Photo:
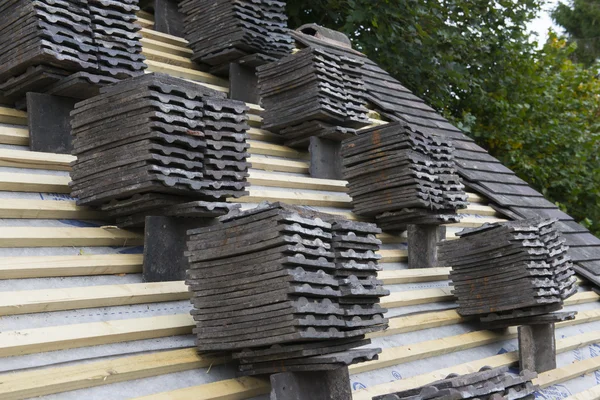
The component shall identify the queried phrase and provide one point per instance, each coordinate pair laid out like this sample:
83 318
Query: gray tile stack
285 289
157 145
313 93
250 32
43 42
509 270
402 177
487 384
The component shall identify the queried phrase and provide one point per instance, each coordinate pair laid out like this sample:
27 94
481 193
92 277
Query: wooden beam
145 23
49 300
479 210
592 393
419 322
295 197
506 359
389 238
414 297
393 256
35 160
25 236
12 116
278 164
474 222
47 381
46 209
269 149
145 15
229 389
176 50
63 266
271 179
204 78
40 340
17 182
16 135
163 37
263 135
571 371
168 58
413 275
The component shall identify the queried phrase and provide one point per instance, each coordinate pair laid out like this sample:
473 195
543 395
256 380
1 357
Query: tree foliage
581 21
472 60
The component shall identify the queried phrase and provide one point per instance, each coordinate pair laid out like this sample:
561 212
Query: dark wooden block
422 245
243 83
49 123
168 18
325 158
321 385
537 347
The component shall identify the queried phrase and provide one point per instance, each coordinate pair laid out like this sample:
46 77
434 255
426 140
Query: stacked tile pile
117 36
43 42
509 270
276 284
402 177
313 93
251 32
157 145
487 384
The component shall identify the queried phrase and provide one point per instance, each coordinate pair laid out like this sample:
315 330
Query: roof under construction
76 320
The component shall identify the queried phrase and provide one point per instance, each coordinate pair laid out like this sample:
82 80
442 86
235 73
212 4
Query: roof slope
481 172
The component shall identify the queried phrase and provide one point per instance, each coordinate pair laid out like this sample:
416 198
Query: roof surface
77 322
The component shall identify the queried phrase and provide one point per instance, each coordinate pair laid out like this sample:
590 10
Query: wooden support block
278 164
413 275
268 149
63 266
209 80
167 18
39 340
243 83
35 160
537 347
17 182
48 300
46 209
176 50
422 245
49 123
62 237
270 179
12 116
47 381
12 134
325 158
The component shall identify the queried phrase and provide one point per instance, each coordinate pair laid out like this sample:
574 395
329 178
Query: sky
541 24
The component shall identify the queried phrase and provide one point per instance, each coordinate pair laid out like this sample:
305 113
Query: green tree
472 60
581 21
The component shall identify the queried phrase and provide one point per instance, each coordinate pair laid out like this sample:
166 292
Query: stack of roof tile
487 384
313 93
142 149
510 270
43 42
251 32
402 177
115 32
278 283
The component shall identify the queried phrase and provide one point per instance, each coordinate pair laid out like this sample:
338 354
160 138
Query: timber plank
270 179
16 135
62 266
17 182
163 37
62 237
278 164
269 149
207 79
295 197
46 209
177 50
48 300
168 58
414 297
12 116
592 393
39 340
413 275
35 160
